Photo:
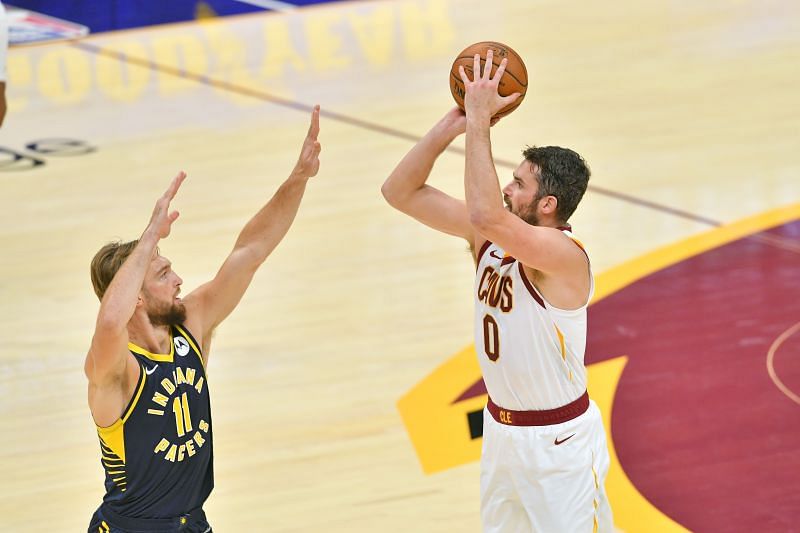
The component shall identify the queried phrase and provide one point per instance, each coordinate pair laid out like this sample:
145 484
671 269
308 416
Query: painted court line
264 96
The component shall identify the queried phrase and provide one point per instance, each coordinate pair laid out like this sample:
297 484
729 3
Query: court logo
181 346
12 160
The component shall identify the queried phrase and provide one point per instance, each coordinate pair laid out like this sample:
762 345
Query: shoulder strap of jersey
182 330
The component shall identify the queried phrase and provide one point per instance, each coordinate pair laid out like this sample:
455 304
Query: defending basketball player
544 458
148 388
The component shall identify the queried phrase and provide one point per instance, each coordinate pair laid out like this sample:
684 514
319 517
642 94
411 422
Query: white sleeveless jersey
530 352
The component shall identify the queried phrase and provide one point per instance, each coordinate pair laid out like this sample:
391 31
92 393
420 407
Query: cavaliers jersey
530 352
158 456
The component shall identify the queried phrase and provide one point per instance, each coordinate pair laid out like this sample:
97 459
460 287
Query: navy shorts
106 521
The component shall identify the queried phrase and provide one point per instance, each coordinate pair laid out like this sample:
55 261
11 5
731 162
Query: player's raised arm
528 229
106 357
210 303
406 190
536 247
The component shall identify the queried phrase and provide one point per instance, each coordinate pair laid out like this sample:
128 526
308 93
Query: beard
168 314
526 212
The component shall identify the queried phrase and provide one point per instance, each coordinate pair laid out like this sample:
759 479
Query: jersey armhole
126 413
482 250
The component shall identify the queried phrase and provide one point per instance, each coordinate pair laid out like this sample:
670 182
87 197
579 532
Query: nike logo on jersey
493 253
149 371
562 441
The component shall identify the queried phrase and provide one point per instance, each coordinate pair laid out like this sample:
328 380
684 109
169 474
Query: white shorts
530 483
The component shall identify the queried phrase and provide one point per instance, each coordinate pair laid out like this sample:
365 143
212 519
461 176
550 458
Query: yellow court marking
632 511
438 428
620 276
359 302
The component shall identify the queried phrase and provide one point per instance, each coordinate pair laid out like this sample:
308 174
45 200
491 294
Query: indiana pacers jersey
158 456
530 352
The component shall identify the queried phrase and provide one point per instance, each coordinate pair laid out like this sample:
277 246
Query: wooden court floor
687 113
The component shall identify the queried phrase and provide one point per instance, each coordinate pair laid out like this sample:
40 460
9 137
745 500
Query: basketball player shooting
148 388
544 458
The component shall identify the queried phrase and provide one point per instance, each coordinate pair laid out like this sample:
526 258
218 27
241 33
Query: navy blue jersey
158 456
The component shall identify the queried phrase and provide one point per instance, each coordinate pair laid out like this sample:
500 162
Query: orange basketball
514 80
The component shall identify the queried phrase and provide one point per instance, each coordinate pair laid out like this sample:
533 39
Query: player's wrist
479 118
299 176
447 133
150 236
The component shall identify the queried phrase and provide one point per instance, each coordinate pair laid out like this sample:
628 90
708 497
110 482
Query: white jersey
530 352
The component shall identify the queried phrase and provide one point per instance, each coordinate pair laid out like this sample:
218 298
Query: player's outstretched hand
308 162
162 219
481 94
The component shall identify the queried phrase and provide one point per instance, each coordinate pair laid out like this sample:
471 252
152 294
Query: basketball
514 80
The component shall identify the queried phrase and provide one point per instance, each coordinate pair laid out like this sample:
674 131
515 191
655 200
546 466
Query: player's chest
496 284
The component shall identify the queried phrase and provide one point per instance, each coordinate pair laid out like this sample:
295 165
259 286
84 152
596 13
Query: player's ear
548 204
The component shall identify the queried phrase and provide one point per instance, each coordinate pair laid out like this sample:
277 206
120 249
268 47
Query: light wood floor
687 113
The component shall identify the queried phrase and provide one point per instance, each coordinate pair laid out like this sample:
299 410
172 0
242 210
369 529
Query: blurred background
344 386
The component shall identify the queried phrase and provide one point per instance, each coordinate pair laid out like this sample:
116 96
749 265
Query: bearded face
160 290
525 211
166 314
522 194
528 212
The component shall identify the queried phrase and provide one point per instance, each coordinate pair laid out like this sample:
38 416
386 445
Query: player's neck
553 224
142 333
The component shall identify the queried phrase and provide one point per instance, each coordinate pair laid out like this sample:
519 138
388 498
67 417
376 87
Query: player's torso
157 457
531 354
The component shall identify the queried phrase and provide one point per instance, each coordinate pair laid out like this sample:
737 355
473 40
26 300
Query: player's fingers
500 69
476 66
175 185
313 128
510 99
487 68
463 74
311 152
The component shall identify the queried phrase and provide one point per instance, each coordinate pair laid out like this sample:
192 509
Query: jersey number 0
491 338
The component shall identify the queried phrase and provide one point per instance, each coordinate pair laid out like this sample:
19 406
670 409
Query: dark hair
107 262
563 174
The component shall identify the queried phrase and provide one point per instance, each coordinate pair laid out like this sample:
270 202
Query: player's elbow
390 194
110 322
386 191
483 220
247 257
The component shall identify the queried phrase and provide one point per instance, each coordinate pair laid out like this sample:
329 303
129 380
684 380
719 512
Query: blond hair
107 262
